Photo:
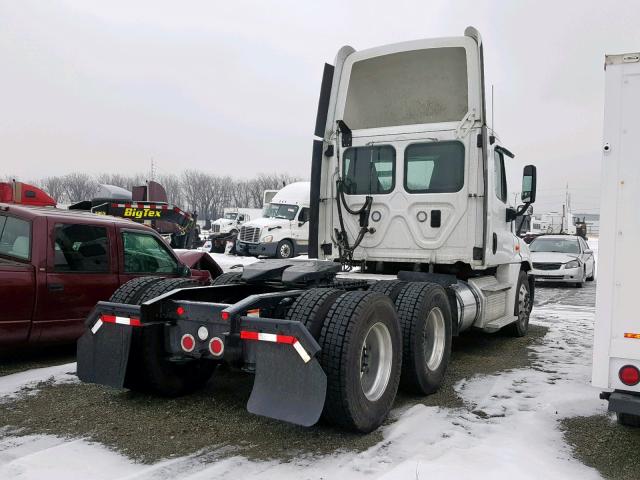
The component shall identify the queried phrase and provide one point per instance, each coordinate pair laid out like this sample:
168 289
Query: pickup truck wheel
392 288
311 308
130 291
285 249
425 319
361 355
227 278
523 307
628 419
158 373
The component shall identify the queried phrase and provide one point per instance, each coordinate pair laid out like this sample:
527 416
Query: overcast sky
232 87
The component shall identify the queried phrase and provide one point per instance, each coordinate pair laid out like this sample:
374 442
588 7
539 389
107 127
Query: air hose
345 251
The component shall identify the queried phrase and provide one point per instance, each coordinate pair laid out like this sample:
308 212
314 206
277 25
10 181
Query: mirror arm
519 213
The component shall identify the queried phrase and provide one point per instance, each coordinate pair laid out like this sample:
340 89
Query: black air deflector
323 102
314 200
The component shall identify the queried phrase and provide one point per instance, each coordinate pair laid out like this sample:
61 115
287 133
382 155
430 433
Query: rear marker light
272 337
629 375
180 310
187 342
632 335
225 315
203 333
216 347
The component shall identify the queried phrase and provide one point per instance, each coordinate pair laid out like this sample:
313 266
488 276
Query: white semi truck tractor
616 349
408 194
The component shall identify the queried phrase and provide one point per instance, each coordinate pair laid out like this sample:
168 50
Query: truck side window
80 248
304 215
367 170
145 253
15 237
499 176
434 167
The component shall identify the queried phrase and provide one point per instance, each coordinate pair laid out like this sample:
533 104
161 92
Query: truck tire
628 419
227 278
155 372
130 291
311 308
425 319
523 306
284 249
392 288
361 356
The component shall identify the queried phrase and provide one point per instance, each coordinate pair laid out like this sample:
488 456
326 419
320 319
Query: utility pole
152 174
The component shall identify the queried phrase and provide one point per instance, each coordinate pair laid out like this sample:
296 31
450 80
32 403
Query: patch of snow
12 385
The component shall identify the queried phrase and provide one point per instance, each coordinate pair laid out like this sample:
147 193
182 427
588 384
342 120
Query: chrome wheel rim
434 338
376 357
285 251
523 305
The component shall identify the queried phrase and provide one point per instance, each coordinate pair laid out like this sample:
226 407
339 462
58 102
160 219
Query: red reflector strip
247 335
132 322
632 335
283 339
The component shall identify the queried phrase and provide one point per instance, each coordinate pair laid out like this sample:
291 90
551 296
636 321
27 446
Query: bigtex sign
141 213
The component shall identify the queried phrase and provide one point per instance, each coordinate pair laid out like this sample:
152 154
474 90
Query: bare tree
55 187
79 186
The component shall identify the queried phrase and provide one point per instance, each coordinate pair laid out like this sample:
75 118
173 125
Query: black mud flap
285 387
103 352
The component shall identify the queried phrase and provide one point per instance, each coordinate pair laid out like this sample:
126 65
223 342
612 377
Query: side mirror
588 251
529 184
183 271
301 223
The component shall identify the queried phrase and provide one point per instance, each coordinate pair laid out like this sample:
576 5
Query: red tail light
188 343
180 310
225 315
629 375
216 346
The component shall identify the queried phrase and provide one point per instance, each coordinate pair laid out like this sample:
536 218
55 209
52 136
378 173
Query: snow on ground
509 431
12 385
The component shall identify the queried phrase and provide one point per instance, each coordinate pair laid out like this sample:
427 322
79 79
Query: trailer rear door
617 328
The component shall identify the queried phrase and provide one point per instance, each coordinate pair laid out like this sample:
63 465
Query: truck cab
283 231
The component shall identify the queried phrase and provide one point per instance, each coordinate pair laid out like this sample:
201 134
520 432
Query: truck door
501 242
80 272
17 277
300 230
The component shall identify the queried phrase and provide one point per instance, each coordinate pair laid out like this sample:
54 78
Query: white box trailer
616 351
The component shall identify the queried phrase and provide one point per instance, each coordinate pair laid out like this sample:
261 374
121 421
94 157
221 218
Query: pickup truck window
144 253
15 237
80 248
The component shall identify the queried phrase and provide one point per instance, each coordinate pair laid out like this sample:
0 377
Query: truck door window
304 215
500 177
434 167
369 170
80 248
144 253
15 238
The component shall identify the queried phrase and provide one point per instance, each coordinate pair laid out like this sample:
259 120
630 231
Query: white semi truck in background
283 231
616 349
408 184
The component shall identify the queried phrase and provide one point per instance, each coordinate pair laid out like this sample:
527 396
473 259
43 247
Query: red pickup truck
56 264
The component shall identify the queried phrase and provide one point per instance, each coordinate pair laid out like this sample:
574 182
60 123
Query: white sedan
562 258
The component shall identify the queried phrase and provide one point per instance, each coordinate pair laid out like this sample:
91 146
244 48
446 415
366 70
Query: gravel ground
214 422
601 443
